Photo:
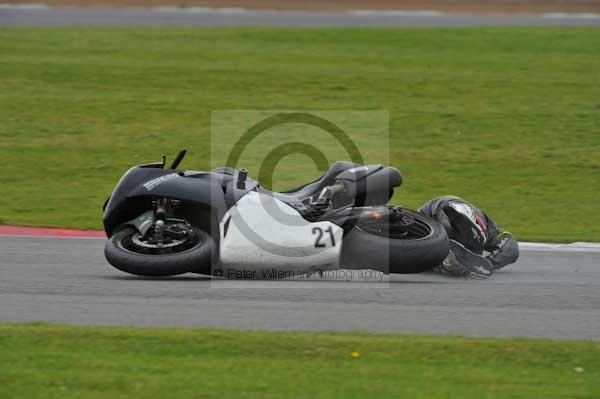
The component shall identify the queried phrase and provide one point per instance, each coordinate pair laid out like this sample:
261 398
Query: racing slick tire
388 249
196 259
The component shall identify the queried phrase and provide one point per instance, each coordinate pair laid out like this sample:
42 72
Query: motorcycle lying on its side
166 221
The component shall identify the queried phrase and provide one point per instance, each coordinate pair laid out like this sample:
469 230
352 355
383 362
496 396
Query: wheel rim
177 238
400 226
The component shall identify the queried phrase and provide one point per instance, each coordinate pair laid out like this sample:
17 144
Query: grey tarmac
548 293
169 16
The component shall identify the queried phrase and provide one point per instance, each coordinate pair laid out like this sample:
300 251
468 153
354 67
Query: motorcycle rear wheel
394 240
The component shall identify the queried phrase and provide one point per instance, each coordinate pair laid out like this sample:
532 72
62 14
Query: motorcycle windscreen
262 232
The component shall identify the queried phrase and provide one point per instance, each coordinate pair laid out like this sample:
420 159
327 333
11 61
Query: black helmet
465 226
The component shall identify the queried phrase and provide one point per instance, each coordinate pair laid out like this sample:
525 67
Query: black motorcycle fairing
140 185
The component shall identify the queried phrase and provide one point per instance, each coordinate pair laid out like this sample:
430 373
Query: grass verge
508 118
49 361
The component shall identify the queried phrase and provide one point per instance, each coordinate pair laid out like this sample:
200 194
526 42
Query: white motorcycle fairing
261 232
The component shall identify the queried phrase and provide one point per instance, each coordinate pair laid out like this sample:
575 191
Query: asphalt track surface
552 294
40 16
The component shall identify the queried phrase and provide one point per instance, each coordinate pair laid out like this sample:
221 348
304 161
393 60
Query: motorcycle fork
164 209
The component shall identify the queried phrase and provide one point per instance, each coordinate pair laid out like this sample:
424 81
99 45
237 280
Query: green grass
508 118
49 361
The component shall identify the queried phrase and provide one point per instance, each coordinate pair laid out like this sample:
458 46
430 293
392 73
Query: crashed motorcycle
164 221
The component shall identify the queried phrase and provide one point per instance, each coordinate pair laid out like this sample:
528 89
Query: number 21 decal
319 241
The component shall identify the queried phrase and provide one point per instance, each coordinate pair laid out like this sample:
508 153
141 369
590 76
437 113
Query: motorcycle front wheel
394 240
129 251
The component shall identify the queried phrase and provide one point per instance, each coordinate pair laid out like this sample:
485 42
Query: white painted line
201 10
567 15
28 7
572 247
397 13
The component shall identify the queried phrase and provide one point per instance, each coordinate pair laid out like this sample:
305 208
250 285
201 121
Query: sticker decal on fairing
159 180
